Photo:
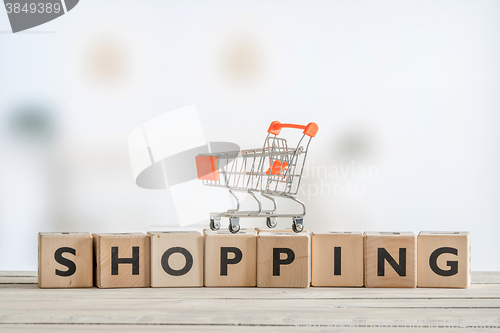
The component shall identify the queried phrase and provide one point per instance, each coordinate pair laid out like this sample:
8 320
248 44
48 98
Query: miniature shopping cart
275 170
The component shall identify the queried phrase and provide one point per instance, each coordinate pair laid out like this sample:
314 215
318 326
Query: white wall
408 88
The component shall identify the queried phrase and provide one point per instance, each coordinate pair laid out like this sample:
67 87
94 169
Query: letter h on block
390 259
122 260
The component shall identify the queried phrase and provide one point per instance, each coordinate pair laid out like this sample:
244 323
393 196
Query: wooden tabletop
26 308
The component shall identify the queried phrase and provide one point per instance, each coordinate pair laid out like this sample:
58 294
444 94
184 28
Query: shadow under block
444 259
230 259
337 259
122 260
64 260
283 259
176 259
390 260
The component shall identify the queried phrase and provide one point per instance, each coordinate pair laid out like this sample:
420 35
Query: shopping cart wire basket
275 170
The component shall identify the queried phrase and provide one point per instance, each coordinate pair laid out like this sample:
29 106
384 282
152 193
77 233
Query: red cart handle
310 129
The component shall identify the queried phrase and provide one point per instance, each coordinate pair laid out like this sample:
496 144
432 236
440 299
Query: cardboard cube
390 259
337 259
444 259
230 259
283 259
122 260
176 259
64 260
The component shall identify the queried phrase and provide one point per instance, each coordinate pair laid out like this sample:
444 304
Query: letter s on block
64 261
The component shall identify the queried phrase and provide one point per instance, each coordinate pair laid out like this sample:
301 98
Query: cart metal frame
245 171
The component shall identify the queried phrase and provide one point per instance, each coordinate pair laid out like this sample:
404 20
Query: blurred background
406 96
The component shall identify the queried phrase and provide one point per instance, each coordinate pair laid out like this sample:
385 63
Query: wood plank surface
26 308
207 328
18 277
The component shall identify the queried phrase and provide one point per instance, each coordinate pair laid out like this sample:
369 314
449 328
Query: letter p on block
283 259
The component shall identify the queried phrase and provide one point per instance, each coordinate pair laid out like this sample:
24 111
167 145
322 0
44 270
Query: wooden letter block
444 259
337 259
259 230
64 260
122 260
176 259
230 259
390 259
283 259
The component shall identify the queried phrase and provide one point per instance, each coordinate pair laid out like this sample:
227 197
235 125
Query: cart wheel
234 224
234 228
271 222
214 225
297 225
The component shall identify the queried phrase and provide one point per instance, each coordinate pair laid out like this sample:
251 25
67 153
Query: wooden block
444 259
283 259
176 259
64 260
122 260
259 230
230 259
337 259
390 259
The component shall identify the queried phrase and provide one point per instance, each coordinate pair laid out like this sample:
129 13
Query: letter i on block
176 259
337 259
122 260
230 259
390 260
64 260
283 259
444 259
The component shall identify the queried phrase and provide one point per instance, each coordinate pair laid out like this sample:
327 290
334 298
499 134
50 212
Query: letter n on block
444 259
64 260
122 260
230 259
390 260
283 259
176 259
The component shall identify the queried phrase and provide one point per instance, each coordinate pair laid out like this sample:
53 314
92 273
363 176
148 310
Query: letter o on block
176 259
177 272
